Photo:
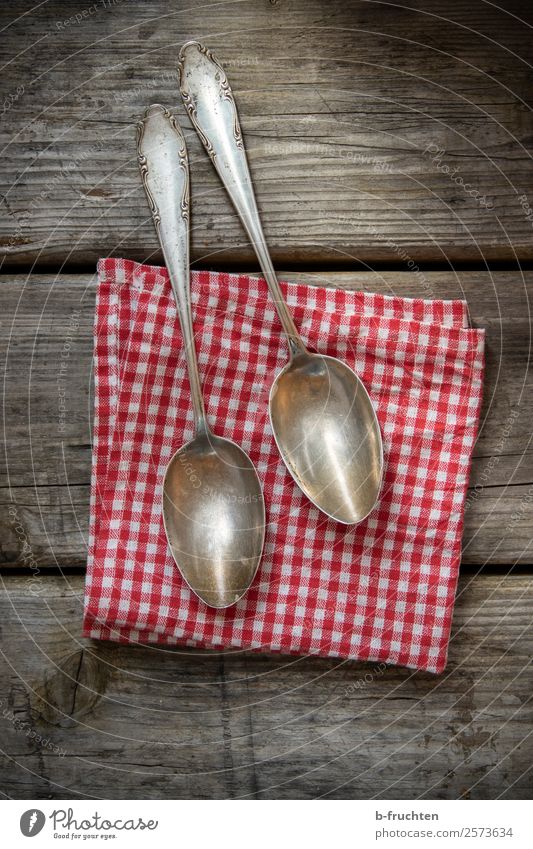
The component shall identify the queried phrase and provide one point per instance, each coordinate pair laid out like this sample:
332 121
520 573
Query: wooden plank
375 132
206 725
45 471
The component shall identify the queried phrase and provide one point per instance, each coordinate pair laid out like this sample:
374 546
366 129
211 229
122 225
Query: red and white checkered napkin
382 590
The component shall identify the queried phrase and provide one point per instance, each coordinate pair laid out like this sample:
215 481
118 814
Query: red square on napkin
382 590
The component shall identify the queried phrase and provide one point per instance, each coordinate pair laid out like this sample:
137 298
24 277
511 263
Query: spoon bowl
327 432
214 518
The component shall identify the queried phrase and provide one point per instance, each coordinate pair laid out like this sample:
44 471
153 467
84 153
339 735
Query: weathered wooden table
391 150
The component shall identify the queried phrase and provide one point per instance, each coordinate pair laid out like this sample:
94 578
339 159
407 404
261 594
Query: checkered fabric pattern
382 590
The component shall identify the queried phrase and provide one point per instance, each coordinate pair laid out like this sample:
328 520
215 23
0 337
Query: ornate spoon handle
211 107
164 168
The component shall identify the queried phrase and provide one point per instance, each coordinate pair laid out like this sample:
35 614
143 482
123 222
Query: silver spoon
213 507
324 423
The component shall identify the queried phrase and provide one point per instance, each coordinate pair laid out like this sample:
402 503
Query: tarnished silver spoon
324 423
213 507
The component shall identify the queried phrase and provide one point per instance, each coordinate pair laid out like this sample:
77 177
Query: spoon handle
164 165
211 107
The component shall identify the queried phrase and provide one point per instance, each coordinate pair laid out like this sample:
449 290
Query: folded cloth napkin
382 590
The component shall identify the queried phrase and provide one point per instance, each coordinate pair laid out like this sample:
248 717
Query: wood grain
178 724
45 471
344 106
